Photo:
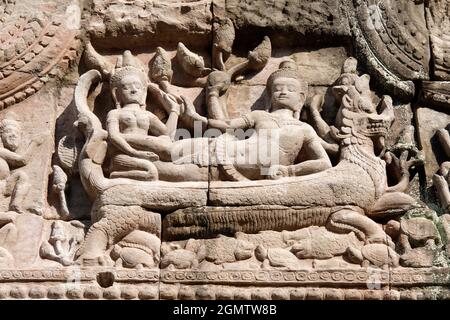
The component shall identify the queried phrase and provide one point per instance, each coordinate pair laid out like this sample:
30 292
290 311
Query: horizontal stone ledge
79 274
406 277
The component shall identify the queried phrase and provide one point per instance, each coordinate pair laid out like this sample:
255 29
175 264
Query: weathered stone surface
215 149
134 23
309 19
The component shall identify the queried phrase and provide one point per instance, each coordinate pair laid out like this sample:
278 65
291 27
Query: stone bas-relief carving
193 160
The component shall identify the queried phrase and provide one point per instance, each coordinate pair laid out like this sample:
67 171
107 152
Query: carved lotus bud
259 57
224 34
191 63
161 66
94 60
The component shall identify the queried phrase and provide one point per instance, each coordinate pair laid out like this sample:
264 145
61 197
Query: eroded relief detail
207 150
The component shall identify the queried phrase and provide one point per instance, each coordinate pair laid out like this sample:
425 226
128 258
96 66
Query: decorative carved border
225 292
32 51
434 276
393 46
407 283
81 274
405 276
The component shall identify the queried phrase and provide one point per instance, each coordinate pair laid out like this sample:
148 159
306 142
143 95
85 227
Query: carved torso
286 135
134 121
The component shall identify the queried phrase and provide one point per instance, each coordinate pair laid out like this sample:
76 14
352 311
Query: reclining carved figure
343 198
304 193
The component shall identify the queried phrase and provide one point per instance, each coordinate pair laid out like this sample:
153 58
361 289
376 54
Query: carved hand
172 105
278 171
189 110
386 103
387 100
218 82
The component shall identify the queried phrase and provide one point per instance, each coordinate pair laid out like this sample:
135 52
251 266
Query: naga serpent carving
114 220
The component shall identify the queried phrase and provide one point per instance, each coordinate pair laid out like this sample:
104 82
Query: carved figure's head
350 65
128 81
10 132
286 88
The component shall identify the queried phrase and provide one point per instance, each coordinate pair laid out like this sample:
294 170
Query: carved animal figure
276 257
138 249
375 253
182 258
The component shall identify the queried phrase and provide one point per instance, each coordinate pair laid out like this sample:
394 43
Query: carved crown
125 65
287 69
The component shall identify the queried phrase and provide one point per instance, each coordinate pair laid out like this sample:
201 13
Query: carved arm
244 122
173 106
319 160
215 110
321 127
14 159
218 84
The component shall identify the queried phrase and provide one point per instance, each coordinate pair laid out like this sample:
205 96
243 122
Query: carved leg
133 168
160 145
366 229
21 187
117 222
7 217
168 171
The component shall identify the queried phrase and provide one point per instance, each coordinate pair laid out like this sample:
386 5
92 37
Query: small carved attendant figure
15 182
348 77
297 145
130 122
442 179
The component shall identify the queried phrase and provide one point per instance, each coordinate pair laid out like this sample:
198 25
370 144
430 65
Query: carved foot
92 261
15 207
7 217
